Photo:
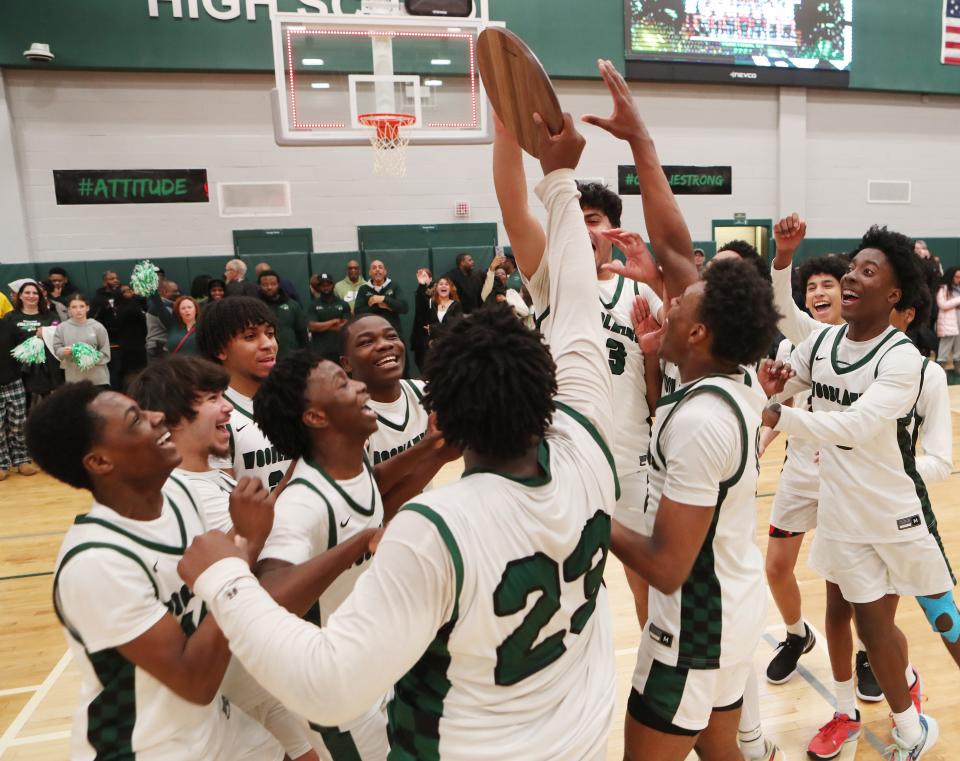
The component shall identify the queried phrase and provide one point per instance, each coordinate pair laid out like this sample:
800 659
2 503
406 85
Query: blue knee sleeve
934 607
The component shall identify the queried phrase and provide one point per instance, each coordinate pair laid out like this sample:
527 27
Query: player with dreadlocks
531 515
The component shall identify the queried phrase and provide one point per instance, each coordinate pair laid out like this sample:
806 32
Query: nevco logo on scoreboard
743 75
228 10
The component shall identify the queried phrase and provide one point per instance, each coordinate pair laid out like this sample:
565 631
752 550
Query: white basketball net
389 145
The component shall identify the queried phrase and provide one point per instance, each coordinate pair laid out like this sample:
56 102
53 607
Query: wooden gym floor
38 684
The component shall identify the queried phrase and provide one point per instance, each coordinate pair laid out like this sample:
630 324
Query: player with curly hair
707 597
874 543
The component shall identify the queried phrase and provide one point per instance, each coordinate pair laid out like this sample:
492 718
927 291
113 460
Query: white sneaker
771 752
900 751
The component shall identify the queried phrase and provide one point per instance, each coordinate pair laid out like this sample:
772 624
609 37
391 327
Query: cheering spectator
381 296
13 404
216 290
347 288
495 283
420 333
442 306
325 317
468 283
291 325
181 338
58 285
948 326
234 273
285 283
81 328
131 336
514 281
32 314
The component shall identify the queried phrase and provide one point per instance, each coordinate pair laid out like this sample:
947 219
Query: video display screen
799 34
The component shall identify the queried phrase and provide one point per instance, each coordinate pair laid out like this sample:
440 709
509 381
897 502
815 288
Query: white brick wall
222 122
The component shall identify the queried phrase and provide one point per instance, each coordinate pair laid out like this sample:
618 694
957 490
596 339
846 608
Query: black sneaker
868 688
783 665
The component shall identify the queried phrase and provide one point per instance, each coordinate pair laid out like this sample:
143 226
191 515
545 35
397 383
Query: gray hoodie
89 332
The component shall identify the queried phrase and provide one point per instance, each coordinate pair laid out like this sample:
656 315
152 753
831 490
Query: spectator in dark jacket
58 285
291 324
234 273
285 283
103 309
468 282
381 296
130 328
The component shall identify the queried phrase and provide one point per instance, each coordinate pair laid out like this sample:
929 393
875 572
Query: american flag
950 50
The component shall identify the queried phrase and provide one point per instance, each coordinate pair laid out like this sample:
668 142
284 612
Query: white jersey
703 452
314 514
617 297
484 604
800 474
670 377
213 489
625 363
864 394
252 454
115 579
932 423
400 424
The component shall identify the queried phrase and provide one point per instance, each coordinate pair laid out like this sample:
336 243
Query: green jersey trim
339 745
331 519
112 714
864 359
415 712
616 294
538 321
346 497
543 461
406 413
72 553
167 549
701 601
415 388
186 491
595 435
237 407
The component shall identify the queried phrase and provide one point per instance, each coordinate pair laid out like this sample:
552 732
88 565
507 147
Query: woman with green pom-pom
75 338
32 315
13 404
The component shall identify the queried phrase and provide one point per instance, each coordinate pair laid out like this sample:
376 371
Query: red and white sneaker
916 692
833 735
899 751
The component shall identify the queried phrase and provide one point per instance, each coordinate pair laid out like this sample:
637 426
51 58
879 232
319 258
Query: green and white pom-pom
30 352
144 280
84 355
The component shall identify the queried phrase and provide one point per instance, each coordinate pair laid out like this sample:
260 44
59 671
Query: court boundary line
26 575
11 732
19 690
63 734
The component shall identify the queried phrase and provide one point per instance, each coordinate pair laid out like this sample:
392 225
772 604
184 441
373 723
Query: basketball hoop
389 143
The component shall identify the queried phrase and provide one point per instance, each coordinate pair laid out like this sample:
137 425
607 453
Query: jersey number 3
517 657
618 356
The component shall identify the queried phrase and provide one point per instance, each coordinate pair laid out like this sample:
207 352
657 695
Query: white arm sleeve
487 285
795 323
703 446
889 397
936 432
107 598
332 675
573 330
